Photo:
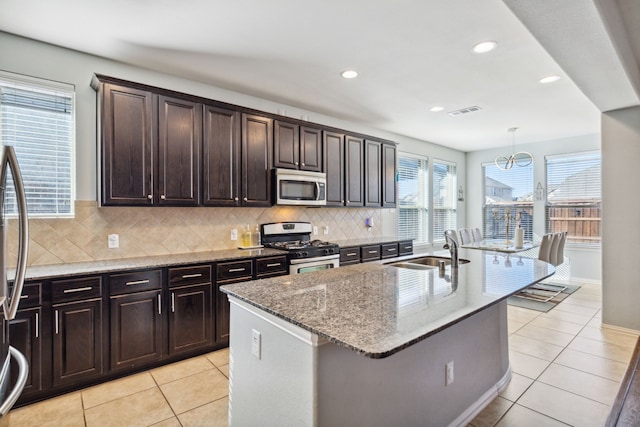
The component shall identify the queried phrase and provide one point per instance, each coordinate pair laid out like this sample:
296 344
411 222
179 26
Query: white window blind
412 198
505 190
37 119
444 198
574 197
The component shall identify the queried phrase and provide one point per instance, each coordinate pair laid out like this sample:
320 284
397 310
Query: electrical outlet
234 234
449 373
113 241
325 230
256 343
315 230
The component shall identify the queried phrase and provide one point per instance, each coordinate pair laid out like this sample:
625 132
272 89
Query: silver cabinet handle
235 270
173 302
150 196
159 305
137 282
56 320
37 325
352 254
69 291
275 264
407 247
391 249
373 252
191 276
24 296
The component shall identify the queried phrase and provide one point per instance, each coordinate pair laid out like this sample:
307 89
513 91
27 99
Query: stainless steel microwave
302 188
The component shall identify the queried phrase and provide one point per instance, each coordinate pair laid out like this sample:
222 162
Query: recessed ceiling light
436 109
349 74
549 79
485 47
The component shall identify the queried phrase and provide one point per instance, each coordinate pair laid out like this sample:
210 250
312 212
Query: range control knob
305 254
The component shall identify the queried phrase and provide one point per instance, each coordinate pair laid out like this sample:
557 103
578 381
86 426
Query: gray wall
621 218
585 263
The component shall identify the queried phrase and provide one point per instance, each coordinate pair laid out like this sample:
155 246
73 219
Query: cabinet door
286 145
223 312
25 335
372 172
127 155
389 175
354 171
310 149
179 142
221 166
257 140
190 319
77 341
334 167
136 329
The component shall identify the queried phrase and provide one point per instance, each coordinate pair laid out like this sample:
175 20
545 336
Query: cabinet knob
163 197
303 164
296 163
150 197
245 199
236 199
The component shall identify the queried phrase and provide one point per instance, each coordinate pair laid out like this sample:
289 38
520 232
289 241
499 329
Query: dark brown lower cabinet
77 341
136 329
25 333
190 320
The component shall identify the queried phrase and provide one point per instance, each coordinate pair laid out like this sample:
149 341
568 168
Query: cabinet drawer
272 266
127 283
193 274
31 295
369 253
349 256
235 270
405 247
389 250
76 289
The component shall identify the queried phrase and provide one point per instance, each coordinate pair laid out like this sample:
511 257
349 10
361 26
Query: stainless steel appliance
294 187
11 358
305 255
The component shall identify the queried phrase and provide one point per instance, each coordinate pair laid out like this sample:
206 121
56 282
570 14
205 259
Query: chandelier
521 158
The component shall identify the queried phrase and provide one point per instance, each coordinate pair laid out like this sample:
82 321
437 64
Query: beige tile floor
566 371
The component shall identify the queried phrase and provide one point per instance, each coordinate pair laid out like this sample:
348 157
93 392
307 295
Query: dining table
500 245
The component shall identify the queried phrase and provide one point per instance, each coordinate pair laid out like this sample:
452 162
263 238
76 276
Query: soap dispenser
257 240
246 236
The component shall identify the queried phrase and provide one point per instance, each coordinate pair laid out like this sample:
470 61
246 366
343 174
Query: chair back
477 234
544 253
465 236
558 248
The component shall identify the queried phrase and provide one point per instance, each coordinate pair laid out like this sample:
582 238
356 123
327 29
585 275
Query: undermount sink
425 262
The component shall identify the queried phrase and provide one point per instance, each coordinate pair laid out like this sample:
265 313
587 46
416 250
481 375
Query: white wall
585 263
620 218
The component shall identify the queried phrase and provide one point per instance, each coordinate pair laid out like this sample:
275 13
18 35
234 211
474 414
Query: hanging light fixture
521 158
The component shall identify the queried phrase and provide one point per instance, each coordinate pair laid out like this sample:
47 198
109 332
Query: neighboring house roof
580 187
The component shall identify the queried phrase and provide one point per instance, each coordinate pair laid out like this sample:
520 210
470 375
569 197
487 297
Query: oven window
297 190
315 268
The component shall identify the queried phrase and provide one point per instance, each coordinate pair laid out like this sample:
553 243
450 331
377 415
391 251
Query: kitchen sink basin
425 262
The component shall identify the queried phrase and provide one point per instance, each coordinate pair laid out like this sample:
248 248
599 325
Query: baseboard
470 413
620 329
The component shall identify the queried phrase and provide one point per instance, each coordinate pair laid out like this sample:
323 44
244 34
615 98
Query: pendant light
521 158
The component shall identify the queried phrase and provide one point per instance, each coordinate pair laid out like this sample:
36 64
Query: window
444 198
573 196
37 119
412 198
507 191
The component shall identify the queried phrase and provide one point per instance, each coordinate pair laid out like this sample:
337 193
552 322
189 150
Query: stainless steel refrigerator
11 359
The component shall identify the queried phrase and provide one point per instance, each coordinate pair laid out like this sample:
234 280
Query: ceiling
411 55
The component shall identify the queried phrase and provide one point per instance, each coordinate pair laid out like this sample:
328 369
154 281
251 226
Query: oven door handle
314 259
23 373
317 190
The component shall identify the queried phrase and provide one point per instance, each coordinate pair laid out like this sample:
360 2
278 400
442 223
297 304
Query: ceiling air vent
462 111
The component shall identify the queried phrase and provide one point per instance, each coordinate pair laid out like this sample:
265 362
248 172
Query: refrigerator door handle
23 373
10 159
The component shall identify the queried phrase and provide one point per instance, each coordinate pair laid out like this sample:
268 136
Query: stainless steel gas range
305 255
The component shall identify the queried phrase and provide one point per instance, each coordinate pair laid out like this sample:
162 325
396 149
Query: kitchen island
369 344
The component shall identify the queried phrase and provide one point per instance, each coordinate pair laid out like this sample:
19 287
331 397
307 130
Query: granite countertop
378 310
40 272
368 241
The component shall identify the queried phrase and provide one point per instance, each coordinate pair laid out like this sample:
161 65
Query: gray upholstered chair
544 252
477 234
557 250
465 236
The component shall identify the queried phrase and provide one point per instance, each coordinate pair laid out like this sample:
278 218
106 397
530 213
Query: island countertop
378 310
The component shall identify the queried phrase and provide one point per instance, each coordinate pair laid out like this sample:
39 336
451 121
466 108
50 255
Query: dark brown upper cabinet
257 142
179 146
221 155
389 168
297 147
334 167
354 171
126 118
372 172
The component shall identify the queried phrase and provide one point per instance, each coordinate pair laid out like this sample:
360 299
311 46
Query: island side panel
408 388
